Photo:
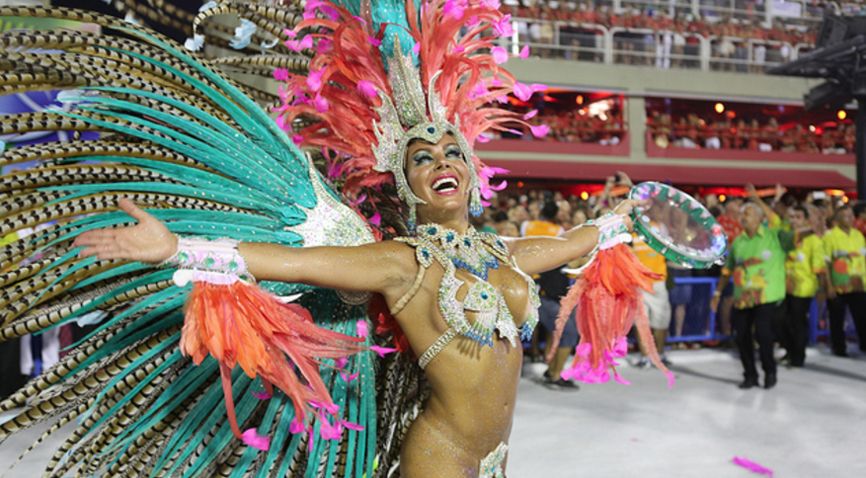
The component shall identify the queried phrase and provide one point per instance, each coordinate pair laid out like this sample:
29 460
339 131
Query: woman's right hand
149 241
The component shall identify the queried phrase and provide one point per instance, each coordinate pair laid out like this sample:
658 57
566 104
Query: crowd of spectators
511 212
736 44
692 131
577 125
641 16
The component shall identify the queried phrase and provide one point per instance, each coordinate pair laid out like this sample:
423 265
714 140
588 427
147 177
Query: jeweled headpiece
387 72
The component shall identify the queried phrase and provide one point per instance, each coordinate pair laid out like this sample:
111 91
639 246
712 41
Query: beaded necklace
466 251
477 253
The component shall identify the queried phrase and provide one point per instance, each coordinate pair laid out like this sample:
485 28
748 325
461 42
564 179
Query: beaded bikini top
475 252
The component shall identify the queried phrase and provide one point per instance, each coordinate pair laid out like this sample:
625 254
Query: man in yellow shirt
554 286
803 266
845 249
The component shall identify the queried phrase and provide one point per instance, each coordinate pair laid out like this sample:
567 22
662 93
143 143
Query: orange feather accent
240 324
608 301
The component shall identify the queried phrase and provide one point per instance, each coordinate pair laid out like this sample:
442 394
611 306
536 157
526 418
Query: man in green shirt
803 266
845 247
756 260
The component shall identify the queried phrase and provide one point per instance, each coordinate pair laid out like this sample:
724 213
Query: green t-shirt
757 265
802 265
845 254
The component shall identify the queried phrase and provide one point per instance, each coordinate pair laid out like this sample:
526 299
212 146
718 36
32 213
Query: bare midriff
473 387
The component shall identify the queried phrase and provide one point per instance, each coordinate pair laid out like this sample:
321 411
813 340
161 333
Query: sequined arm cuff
611 230
216 261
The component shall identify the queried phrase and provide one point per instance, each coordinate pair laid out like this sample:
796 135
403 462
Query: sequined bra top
474 252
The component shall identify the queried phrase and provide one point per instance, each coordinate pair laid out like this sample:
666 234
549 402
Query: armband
215 261
611 230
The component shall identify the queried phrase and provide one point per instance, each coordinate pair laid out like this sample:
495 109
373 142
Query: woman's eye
454 152
422 158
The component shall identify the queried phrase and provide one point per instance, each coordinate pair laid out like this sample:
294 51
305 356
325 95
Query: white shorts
657 306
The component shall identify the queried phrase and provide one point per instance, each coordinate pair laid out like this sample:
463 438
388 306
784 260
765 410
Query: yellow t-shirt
802 266
845 253
650 258
542 228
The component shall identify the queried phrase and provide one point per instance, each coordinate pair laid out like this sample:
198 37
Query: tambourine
678 227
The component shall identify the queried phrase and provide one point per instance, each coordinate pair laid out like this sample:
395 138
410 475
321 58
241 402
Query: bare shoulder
397 256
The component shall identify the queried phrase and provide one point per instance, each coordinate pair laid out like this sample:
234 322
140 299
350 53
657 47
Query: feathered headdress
399 71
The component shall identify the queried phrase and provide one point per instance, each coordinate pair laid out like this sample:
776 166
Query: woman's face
438 175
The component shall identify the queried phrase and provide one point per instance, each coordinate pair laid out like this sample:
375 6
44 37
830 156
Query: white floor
810 425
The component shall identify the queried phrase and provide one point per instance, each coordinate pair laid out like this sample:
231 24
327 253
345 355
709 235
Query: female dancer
459 295
473 386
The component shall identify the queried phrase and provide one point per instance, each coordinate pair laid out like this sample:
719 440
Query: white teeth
445 184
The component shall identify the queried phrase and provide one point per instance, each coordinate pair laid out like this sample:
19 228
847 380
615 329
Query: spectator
845 247
859 223
756 260
656 304
554 286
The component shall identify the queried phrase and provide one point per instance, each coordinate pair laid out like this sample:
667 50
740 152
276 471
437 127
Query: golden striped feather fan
193 148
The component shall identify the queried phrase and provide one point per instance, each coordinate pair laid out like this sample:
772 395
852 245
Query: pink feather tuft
253 439
752 466
382 350
362 328
500 56
262 395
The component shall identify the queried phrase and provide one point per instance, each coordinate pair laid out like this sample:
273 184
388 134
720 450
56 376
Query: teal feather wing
190 147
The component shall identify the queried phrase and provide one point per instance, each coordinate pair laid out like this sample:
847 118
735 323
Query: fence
639 46
700 323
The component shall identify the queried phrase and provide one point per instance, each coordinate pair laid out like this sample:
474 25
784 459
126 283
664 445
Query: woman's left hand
625 209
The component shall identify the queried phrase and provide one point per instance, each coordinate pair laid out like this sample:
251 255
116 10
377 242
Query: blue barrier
699 323
698 311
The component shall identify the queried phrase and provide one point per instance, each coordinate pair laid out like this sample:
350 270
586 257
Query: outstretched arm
381 267
768 212
539 254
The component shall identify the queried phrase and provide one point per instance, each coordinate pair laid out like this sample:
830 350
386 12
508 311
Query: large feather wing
189 146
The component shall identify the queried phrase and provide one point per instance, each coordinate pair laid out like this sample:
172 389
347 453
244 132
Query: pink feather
253 439
752 466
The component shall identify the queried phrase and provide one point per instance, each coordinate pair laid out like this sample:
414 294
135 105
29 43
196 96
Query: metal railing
647 47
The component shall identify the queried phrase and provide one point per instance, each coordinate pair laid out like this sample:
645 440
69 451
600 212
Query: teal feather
119 343
250 453
117 271
249 105
144 304
213 414
157 188
187 383
281 434
127 396
247 172
149 279
72 270
244 407
203 153
232 144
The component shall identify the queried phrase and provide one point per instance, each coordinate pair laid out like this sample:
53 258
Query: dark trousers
761 319
856 303
792 329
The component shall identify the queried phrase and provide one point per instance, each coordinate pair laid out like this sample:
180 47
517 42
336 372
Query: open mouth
445 185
